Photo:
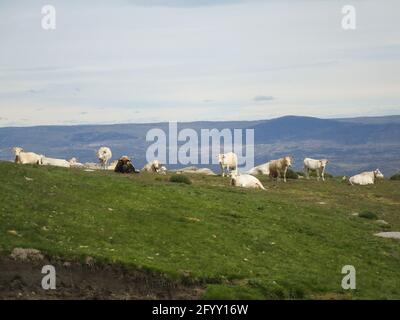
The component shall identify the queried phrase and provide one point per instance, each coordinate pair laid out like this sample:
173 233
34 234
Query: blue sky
159 60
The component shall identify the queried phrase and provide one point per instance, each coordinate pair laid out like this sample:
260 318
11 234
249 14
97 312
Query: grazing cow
104 155
153 166
278 168
245 181
365 178
25 157
125 165
261 169
317 165
228 161
44 161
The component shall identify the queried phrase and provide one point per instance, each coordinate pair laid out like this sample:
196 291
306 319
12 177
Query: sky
137 61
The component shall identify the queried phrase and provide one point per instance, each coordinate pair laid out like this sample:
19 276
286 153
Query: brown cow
278 168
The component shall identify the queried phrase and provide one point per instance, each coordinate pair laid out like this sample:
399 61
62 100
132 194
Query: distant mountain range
352 145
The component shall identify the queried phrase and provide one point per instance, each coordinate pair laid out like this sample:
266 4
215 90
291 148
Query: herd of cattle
228 162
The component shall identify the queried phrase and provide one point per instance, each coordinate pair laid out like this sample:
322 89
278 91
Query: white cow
245 181
228 161
317 165
44 161
261 169
104 155
75 164
163 170
112 166
153 166
365 178
26 157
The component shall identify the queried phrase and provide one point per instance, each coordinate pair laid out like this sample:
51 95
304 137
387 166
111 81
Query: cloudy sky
159 60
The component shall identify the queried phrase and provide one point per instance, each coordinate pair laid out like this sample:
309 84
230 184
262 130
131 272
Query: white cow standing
228 161
246 181
26 157
104 155
366 178
316 165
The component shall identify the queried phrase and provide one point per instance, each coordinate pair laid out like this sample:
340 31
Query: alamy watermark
49 280
349 280
48 17
190 147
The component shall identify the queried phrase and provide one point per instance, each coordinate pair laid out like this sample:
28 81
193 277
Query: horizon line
196 121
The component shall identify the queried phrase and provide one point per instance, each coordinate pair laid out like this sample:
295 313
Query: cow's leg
323 174
222 171
307 172
317 174
284 174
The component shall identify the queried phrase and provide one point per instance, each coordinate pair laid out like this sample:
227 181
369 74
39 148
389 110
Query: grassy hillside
288 242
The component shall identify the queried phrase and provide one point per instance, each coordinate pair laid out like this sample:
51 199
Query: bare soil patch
21 279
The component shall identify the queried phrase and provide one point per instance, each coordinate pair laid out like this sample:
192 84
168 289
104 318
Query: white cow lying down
25 157
261 169
365 178
245 181
74 163
44 161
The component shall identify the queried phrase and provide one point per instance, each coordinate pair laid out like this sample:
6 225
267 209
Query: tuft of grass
290 174
368 215
180 178
395 177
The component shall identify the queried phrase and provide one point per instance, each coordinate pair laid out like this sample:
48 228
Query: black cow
125 165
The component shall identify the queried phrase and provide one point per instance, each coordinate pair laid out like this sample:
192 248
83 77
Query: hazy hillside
373 120
352 144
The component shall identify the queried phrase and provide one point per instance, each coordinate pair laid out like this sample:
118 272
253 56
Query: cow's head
157 165
378 174
288 160
17 151
323 162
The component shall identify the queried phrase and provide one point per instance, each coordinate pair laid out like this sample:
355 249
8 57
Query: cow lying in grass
366 178
44 161
26 157
153 166
125 165
245 181
261 169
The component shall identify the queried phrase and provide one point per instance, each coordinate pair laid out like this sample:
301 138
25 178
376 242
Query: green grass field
289 242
